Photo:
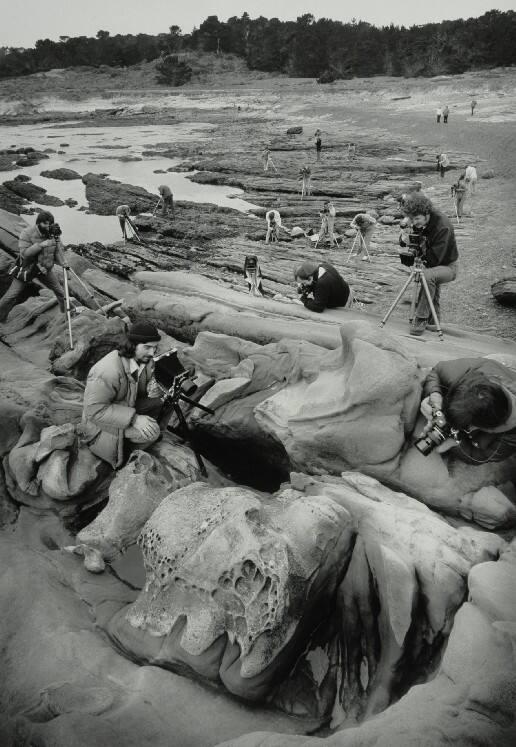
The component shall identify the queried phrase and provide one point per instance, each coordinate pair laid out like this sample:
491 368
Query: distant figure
166 200
470 176
318 147
123 212
352 151
273 219
442 163
446 112
473 106
327 215
253 275
267 160
365 224
459 193
439 113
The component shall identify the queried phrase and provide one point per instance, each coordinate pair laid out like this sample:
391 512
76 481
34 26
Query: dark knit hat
44 217
143 332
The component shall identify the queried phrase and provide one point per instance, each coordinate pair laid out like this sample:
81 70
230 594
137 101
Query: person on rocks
321 286
267 159
439 114
121 404
478 398
123 212
442 164
352 151
446 113
318 147
440 254
471 176
273 219
459 193
327 228
473 106
365 224
166 200
39 250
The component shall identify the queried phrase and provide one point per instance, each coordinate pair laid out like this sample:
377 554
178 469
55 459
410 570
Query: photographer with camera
364 224
273 220
327 215
432 240
122 405
40 249
470 406
321 287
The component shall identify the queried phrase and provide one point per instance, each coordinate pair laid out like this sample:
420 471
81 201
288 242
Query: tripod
67 269
360 241
136 235
420 286
173 396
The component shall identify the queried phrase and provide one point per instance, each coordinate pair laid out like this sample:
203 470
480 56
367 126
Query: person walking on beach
267 160
473 106
442 164
459 193
439 113
318 147
446 112
470 176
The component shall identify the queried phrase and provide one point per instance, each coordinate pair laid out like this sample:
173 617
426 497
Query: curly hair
476 401
127 348
417 204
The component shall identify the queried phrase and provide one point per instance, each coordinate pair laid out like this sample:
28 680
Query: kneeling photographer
40 249
470 406
321 286
432 238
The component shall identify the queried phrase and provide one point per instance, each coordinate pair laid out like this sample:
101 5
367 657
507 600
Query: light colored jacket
109 405
32 252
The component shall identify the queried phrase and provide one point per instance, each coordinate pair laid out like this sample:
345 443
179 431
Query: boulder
105 195
295 130
234 584
62 174
504 291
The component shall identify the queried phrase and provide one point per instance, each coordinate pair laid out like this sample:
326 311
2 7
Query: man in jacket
365 225
440 254
39 252
478 398
121 406
166 200
321 287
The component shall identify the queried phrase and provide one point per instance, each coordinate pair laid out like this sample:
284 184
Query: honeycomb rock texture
237 578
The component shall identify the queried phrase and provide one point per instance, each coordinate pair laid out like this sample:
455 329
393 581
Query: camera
416 248
439 432
54 231
170 373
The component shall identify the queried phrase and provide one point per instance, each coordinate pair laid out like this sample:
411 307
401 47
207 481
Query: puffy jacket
440 241
109 405
329 291
32 253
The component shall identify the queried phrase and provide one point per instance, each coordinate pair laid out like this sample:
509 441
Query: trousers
16 292
435 277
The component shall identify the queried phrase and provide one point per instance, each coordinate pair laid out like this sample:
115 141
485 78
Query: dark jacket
441 247
329 291
492 447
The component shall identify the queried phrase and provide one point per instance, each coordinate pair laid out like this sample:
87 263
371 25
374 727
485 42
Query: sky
25 21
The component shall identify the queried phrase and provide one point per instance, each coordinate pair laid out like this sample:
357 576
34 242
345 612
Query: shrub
327 77
173 72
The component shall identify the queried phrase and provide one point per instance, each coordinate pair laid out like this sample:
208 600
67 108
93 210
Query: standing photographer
327 215
40 249
477 397
321 287
439 254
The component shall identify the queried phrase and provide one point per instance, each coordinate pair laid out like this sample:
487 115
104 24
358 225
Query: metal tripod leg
432 307
398 298
68 308
88 291
361 241
188 437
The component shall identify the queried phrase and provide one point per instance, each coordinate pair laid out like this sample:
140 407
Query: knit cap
143 332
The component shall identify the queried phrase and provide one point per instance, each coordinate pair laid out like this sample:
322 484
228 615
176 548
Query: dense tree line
303 48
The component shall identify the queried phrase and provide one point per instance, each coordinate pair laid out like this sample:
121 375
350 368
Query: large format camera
416 248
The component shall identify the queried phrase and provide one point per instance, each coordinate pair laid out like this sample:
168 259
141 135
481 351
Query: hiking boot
418 326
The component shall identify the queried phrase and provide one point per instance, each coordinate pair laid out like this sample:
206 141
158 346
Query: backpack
22 271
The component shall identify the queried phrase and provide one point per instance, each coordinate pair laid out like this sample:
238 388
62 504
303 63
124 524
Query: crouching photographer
470 407
40 248
320 286
431 235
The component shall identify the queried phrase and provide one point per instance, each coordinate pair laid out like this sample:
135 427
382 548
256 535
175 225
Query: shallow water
97 151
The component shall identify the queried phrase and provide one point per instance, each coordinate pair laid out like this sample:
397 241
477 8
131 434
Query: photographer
459 193
327 215
273 219
121 406
365 225
438 250
123 213
321 287
40 249
478 399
